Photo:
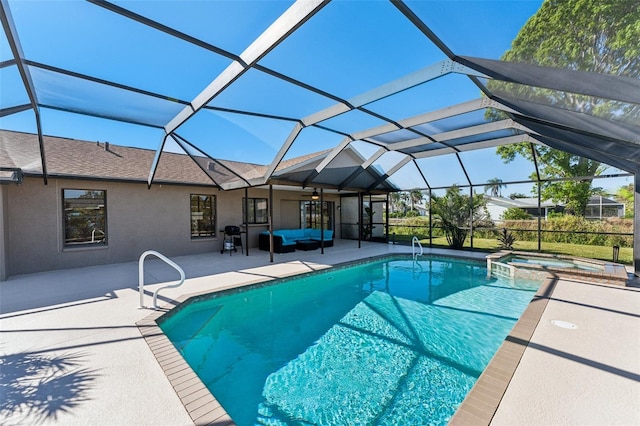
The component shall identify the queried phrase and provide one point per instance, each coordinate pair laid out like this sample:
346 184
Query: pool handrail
169 262
415 241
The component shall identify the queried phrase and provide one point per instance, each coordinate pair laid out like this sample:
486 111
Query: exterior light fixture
315 195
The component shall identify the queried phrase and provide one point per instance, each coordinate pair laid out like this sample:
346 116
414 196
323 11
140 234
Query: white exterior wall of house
138 219
495 211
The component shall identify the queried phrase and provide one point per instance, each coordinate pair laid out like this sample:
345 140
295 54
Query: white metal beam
462 108
288 22
391 171
18 54
491 143
459 133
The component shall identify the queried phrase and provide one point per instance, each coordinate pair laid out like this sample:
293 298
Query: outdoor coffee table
307 245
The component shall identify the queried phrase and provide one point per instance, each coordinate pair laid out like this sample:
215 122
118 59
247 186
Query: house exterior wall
495 211
289 217
138 219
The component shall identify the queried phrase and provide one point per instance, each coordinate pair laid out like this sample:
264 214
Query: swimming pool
390 341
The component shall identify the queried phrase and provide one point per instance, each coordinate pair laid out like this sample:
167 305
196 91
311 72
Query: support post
636 225
539 220
246 221
386 221
4 233
359 220
271 223
321 221
430 221
471 217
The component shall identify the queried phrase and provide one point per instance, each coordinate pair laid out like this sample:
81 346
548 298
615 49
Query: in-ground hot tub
537 265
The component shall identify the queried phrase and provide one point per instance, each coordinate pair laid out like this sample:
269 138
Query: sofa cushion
290 236
327 234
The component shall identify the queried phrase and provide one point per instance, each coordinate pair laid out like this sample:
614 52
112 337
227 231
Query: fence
596 244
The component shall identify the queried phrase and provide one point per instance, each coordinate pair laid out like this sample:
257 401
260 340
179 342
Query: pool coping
478 407
611 273
482 401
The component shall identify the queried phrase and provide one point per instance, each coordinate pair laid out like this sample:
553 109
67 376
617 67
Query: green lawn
579 250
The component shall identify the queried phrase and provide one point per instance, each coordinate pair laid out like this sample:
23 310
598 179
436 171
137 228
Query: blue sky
346 49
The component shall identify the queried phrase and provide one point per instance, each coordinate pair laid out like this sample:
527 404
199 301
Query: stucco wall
138 219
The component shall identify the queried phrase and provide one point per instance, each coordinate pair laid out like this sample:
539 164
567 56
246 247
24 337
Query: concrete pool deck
71 353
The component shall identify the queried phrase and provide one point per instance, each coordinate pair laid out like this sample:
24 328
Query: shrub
506 239
515 213
454 214
575 230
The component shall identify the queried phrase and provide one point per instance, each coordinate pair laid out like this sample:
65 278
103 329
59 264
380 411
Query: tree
415 196
494 185
515 213
394 200
624 194
586 35
455 212
404 200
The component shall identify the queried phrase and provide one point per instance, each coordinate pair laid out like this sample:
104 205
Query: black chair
232 239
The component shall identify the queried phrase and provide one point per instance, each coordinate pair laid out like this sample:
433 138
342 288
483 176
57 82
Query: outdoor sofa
284 240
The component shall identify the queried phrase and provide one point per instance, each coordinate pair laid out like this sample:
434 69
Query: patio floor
71 353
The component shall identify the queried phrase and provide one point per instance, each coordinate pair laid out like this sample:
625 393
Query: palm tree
494 185
415 196
404 198
394 200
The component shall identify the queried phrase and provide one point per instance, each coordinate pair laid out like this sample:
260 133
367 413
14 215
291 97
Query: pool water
391 341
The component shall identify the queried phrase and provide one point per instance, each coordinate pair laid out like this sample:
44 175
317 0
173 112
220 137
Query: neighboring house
496 206
96 207
421 209
600 207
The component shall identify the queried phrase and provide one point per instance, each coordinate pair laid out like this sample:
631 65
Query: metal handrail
141 275
415 241
93 234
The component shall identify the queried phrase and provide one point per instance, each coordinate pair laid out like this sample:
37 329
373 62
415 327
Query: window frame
311 218
247 202
104 242
194 233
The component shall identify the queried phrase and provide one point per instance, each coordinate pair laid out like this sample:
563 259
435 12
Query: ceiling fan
315 195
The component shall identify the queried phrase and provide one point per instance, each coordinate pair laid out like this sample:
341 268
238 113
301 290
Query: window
310 214
258 210
203 215
85 217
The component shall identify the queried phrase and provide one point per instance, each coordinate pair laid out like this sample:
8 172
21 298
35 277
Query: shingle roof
83 159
